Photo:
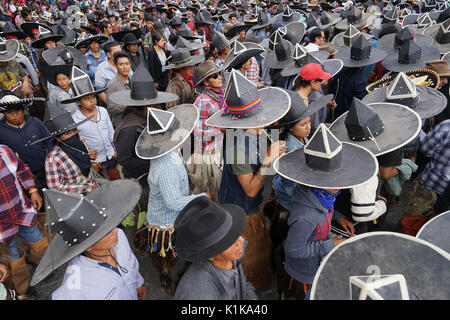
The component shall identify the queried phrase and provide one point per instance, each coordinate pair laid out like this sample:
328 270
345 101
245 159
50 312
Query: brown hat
204 70
440 67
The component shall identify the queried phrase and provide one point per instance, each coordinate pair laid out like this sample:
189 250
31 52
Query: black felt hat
441 35
360 54
206 229
281 55
99 38
81 85
435 231
395 41
426 101
248 107
263 21
182 58
293 32
69 34
219 40
62 55
346 38
386 265
236 28
325 162
79 222
288 16
175 21
353 16
186 32
9 29
119 36
130 38
240 53
45 34
410 56
142 92
184 43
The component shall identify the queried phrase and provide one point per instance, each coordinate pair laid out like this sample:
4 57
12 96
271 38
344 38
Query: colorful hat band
239 111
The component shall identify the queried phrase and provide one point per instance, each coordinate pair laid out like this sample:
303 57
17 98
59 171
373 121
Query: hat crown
283 50
182 43
403 36
159 121
443 34
142 84
299 52
391 15
72 216
204 68
80 82
65 56
360 48
350 34
362 121
325 18
219 40
410 52
241 95
354 15
323 150
381 287
424 20
287 13
403 91
44 32
275 38
181 55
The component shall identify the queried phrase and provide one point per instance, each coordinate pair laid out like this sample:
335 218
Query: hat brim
420 77
296 17
152 146
191 62
39 44
410 19
74 99
18 34
295 32
116 198
20 103
343 24
432 31
358 165
97 38
431 101
338 39
272 61
387 42
401 125
123 98
235 30
331 66
435 231
118 36
50 57
375 56
252 50
423 265
194 254
428 54
207 75
12 48
275 103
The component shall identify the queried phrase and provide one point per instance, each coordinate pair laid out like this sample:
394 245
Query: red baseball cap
313 71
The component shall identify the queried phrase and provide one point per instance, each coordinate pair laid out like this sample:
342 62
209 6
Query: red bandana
187 78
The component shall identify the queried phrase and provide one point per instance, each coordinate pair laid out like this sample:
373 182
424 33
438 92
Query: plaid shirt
15 208
206 138
252 73
64 175
436 145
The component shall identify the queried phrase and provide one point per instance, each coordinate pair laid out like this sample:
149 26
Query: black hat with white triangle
280 56
81 85
327 163
394 41
240 52
360 53
362 122
441 35
142 92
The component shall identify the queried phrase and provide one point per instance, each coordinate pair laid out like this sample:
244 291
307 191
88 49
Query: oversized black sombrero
426 101
184 43
385 265
142 91
288 16
248 107
441 35
345 38
9 101
236 28
44 34
240 53
166 130
69 34
378 127
99 38
281 55
293 32
8 49
9 29
63 55
420 77
79 222
395 41
118 36
360 54
325 162
435 231
355 17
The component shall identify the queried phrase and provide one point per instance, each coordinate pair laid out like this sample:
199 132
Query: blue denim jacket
283 187
92 63
230 190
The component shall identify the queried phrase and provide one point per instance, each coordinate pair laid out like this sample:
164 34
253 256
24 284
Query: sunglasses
214 76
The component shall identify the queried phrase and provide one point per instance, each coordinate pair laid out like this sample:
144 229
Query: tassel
156 242
162 252
147 245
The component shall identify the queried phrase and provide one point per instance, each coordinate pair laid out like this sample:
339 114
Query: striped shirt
206 138
169 189
252 73
64 175
15 208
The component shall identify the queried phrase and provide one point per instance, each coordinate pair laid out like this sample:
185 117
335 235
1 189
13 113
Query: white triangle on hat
368 286
158 120
299 52
328 142
401 88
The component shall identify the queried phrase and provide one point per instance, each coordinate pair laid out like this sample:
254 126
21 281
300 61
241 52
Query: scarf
326 198
217 95
76 150
187 78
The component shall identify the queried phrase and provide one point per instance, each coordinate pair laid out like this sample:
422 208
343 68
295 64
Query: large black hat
263 21
301 58
130 38
435 231
426 101
175 21
346 38
360 54
143 91
380 127
166 130
325 162
219 41
69 34
236 28
353 16
183 43
182 58
8 49
385 265
394 41
186 32
62 55
119 35
240 53
81 85
92 38
9 29
248 107
206 229
288 16
441 35
201 19
293 32
281 55
79 222
45 34
9 101
410 56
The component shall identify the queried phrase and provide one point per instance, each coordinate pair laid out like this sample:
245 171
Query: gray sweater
203 281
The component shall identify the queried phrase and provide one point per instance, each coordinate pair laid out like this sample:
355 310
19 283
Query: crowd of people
175 115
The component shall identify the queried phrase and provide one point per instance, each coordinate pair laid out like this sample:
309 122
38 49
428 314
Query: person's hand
382 198
37 89
3 272
141 292
92 154
332 104
95 166
36 200
275 150
25 89
115 154
338 239
347 225
208 195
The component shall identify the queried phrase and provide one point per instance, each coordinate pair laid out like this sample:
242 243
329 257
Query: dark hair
156 36
232 15
108 46
387 29
300 83
120 54
315 33
148 17
103 25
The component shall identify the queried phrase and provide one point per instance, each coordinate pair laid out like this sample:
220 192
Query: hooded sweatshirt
308 239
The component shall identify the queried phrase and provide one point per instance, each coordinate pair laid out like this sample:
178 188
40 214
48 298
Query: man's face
66 135
89 102
107 243
15 116
321 40
50 44
109 29
111 19
149 24
133 48
94 46
242 34
113 50
234 252
187 71
233 20
214 81
63 81
123 66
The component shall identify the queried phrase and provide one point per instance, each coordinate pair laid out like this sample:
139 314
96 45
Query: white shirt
86 279
312 47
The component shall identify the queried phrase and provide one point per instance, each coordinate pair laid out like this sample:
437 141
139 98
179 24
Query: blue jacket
19 141
308 239
93 63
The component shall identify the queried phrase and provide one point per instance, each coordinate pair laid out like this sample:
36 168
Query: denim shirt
231 191
93 63
283 187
